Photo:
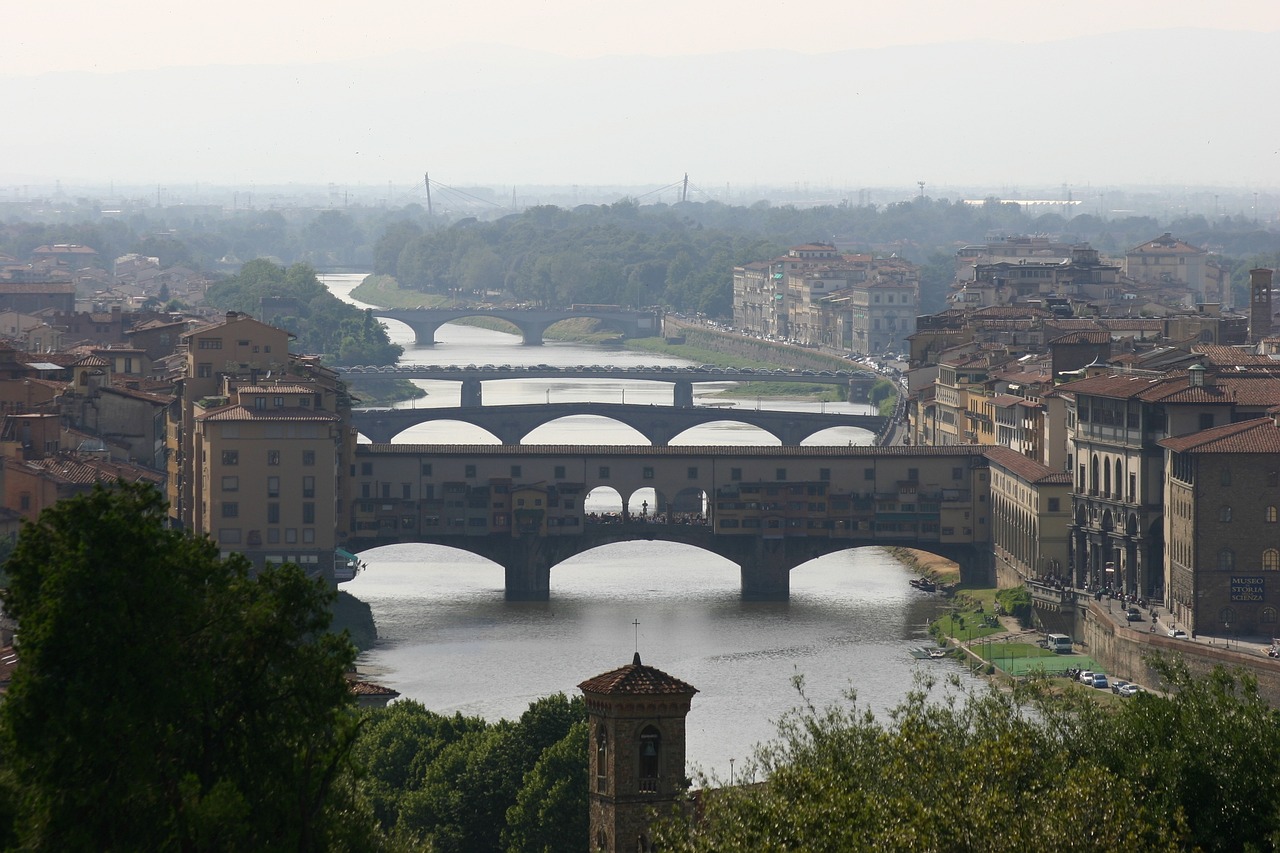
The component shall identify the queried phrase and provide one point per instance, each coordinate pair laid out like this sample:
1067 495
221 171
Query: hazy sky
92 35
857 93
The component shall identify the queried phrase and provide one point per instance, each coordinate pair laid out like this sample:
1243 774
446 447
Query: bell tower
637 751
1259 304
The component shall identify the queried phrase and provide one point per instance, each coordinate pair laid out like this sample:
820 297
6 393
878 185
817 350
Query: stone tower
637 746
1259 304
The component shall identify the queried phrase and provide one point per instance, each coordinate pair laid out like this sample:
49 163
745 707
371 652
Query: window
273 536
259 402
1270 515
602 758
1206 420
308 513
559 472
1224 513
824 474
515 471
231 457
279 402
469 471
308 457
308 486
1271 560
1224 476
273 457
1273 478
780 474
1226 559
406 491
209 343
230 484
650 759
1055 504
273 487
386 490
426 469
913 475
365 490
957 473
604 472
273 513
366 469
647 473
229 536
230 509
868 473
290 535
693 472
1268 616
309 535
735 474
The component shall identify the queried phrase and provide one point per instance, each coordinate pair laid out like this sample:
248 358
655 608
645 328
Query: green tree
550 814
167 699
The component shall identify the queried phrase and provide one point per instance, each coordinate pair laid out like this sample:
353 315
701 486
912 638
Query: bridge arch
751 433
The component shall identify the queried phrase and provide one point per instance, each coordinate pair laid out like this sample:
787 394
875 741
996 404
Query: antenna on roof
636 624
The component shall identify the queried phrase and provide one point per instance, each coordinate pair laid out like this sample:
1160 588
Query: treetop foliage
323 323
166 698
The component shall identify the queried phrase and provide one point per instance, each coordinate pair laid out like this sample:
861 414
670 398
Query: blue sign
1248 588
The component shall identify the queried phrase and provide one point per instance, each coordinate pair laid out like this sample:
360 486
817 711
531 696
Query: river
448 638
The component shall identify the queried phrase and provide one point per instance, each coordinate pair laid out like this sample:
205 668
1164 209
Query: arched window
1226 559
602 759
1119 479
1268 616
1224 513
1270 515
650 755
1271 560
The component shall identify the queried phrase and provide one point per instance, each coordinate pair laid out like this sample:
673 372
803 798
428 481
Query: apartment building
1030 517
1173 263
1222 526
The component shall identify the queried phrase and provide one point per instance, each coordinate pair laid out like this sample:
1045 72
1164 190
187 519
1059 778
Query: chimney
1259 304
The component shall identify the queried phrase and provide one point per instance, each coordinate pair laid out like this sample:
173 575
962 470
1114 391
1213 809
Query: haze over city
986 98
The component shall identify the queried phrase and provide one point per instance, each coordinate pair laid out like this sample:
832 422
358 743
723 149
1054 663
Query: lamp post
730 772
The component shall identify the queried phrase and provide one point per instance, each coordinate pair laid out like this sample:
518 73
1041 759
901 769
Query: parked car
1133 615
1132 690
1099 681
1178 633
1118 683
1086 677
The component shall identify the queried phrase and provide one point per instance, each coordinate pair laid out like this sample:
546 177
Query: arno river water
447 637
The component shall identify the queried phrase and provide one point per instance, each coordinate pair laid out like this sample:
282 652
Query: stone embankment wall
1125 652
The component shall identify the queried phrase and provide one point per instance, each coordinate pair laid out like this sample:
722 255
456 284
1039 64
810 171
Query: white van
1060 643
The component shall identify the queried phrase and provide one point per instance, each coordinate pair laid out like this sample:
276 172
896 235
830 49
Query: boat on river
924 584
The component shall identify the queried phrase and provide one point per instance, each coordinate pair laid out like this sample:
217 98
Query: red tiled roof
1024 467
368 688
636 679
1260 435
237 412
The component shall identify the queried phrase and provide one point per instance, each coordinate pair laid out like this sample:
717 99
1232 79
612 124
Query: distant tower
637 718
1259 304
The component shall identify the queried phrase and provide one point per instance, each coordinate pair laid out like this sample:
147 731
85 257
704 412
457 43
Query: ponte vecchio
767 509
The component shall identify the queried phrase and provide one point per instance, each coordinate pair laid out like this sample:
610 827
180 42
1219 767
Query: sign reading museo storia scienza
1248 588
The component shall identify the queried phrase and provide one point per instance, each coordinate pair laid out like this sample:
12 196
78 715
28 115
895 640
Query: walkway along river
448 639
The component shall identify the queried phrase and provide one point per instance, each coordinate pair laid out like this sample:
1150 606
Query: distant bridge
683 378
658 424
532 322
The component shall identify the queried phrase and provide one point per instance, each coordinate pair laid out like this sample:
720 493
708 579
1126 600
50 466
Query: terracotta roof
636 679
1260 435
1258 389
1221 354
1006 400
236 412
1024 467
277 389
84 471
368 688
1083 336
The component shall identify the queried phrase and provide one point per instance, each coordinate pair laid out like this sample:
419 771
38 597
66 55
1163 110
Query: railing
649 786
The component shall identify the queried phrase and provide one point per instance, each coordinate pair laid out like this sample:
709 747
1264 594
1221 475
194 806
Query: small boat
924 584
346 566
938 653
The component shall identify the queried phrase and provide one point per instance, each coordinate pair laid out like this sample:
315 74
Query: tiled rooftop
636 679
1260 435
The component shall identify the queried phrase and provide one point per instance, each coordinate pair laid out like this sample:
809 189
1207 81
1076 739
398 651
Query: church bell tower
637 751
1259 304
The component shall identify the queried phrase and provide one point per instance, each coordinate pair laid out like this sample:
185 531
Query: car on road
1100 681
1133 615
1118 683
1086 677
1178 633
1132 690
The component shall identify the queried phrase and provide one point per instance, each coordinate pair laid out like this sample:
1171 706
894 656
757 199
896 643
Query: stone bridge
532 323
767 509
658 424
683 378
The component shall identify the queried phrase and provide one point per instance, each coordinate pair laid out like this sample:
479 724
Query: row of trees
323 323
168 699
